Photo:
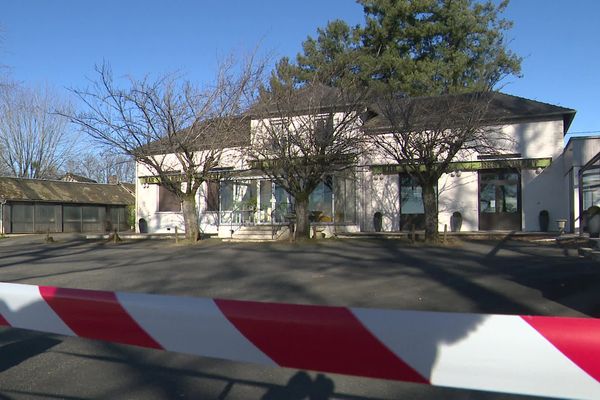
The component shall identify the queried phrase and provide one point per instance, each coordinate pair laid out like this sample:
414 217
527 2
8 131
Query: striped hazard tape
547 356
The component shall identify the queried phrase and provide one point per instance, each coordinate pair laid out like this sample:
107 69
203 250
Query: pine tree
410 49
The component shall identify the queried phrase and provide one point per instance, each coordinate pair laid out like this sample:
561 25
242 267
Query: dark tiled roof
313 97
502 108
18 189
223 133
130 187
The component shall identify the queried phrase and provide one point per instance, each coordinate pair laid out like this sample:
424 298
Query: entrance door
412 211
499 200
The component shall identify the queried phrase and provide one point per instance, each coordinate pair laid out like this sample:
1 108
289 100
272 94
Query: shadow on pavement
29 345
301 386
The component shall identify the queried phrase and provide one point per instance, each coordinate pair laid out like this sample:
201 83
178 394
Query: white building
485 192
582 175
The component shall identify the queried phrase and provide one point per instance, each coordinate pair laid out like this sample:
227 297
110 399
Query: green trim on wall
524 163
155 180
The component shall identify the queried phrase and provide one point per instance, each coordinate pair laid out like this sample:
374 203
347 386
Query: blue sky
58 42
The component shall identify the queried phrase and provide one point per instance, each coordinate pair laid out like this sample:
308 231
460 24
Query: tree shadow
569 280
354 264
301 386
150 369
23 346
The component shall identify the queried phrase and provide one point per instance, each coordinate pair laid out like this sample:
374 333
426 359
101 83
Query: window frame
164 191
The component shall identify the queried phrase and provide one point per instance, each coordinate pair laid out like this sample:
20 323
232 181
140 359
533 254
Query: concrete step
259 233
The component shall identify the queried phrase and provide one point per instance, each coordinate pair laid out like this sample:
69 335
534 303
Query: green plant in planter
593 221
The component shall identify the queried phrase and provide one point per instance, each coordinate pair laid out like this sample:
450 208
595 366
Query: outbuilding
41 206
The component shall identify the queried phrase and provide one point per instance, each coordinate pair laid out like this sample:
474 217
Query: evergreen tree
415 47
410 49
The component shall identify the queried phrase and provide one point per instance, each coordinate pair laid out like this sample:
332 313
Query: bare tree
425 135
303 135
178 131
34 140
103 165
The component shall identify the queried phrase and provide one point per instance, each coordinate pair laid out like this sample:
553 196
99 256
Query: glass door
500 200
412 210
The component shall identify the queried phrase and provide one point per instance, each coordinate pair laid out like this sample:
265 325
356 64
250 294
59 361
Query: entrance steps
258 233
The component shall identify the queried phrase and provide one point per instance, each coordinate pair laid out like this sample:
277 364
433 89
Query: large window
226 196
320 202
345 200
499 200
411 196
412 210
168 201
499 192
590 187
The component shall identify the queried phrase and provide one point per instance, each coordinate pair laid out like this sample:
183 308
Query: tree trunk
190 218
431 212
302 223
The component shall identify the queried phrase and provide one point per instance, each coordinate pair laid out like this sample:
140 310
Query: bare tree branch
34 141
304 134
425 134
177 130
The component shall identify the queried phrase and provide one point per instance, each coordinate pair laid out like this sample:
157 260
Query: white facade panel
544 191
553 189
458 194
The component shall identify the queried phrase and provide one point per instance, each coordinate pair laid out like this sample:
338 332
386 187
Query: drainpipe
2 203
580 199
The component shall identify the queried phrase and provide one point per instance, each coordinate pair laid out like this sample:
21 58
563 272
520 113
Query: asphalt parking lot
506 277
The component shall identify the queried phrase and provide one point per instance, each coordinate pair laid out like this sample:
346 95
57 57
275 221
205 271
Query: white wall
458 193
544 191
378 193
537 139
147 208
165 222
547 190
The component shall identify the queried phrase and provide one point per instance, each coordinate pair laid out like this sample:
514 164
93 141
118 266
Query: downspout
2 203
580 198
136 228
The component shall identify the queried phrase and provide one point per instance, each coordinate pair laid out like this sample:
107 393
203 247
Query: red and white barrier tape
547 356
